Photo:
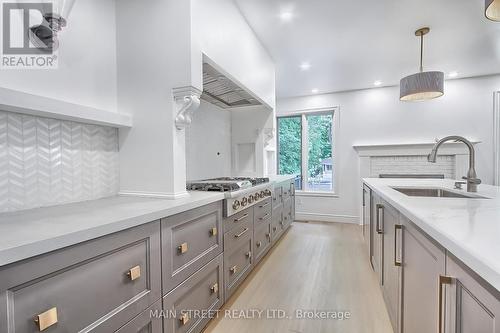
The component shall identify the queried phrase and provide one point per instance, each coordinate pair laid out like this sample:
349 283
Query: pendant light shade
492 10
423 85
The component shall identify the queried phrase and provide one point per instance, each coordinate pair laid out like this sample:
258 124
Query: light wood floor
315 266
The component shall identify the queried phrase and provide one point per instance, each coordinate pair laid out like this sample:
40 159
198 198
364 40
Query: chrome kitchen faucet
472 180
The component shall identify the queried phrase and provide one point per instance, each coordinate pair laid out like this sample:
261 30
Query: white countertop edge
43 246
473 262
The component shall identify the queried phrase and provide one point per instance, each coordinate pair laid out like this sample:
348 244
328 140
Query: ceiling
350 44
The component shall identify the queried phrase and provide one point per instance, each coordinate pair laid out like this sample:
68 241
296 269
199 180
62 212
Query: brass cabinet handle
442 281
241 233
259 244
268 235
46 319
379 229
264 205
134 273
274 228
233 269
249 254
183 248
213 232
264 217
241 218
184 318
396 228
214 288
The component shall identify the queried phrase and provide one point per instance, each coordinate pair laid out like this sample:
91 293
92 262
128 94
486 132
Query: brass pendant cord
421 52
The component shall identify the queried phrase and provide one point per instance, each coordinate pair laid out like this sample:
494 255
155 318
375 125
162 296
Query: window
305 148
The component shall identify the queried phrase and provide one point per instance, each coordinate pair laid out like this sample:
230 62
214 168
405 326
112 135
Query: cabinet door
366 211
377 237
391 286
148 321
423 263
472 306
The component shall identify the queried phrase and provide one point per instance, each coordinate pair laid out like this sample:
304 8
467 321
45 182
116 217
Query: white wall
377 116
208 143
222 34
87 60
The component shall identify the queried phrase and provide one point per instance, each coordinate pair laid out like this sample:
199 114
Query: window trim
304 145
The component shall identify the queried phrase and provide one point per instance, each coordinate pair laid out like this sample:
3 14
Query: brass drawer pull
215 288
233 269
268 235
241 233
241 218
134 273
442 280
46 319
264 205
249 254
378 227
396 228
259 244
183 248
184 319
264 217
281 222
274 228
213 232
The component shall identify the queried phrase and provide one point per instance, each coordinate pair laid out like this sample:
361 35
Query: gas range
240 192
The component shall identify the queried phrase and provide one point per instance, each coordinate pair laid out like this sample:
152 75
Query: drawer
189 241
287 211
194 302
262 240
149 321
238 219
234 238
287 191
262 210
237 265
96 286
277 196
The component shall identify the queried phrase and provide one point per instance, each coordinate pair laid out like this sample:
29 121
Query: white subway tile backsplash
445 164
47 161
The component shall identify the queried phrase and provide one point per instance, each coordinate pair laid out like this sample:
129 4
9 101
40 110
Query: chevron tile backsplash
46 162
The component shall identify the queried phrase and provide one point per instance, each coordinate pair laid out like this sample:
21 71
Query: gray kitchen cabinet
423 263
262 240
276 224
292 193
190 306
366 217
149 321
262 212
391 264
189 241
238 256
238 219
377 233
277 196
95 286
472 305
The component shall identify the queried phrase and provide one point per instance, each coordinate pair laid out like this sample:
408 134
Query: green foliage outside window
289 131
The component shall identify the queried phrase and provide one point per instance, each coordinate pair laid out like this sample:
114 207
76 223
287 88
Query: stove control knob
256 196
244 202
262 194
250 199
268 193
236 204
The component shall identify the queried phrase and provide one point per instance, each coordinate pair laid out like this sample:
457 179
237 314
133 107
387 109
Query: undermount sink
434 193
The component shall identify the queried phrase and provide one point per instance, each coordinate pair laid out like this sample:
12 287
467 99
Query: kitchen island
437 258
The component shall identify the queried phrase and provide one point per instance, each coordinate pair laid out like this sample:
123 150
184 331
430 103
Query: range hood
221 91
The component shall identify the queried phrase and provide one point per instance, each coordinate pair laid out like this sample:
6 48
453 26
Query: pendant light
492 10
423 85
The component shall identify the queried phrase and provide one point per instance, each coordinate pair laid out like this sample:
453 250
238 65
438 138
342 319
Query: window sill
315 194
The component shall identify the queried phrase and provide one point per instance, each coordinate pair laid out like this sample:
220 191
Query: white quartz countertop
29 233
468 228
280 178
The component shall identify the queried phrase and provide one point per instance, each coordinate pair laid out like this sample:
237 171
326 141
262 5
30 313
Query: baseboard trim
160 195
301 216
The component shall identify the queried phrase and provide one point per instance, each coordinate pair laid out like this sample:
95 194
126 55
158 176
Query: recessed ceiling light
315 90
286 16
453 74
377 83
305 66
